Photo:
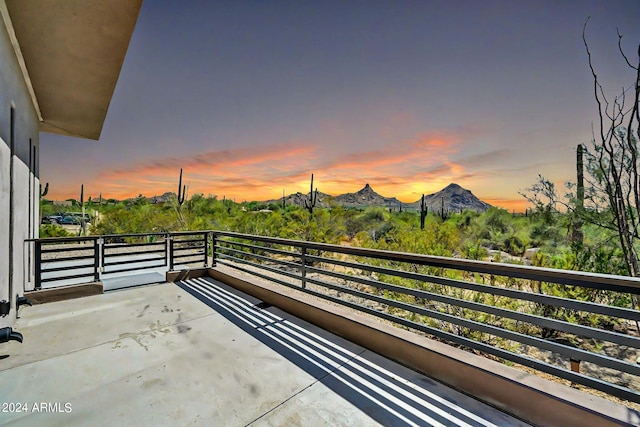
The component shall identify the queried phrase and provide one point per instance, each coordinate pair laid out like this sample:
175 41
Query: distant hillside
297 199
365 197
455 197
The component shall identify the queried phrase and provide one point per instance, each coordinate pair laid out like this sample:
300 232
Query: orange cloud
238 157
405 169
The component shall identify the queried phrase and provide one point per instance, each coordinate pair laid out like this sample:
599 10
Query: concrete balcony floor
201 353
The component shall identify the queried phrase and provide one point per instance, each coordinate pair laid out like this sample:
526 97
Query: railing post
170 252
213 249
97 258
206 248
103 255
166 249
303 260
38 266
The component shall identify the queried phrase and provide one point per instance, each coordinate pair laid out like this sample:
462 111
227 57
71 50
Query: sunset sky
251 97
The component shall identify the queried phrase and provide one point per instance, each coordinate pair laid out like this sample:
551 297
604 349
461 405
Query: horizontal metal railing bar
199 255
67 268
495 290
200 241
70 258
46 250
263 276
189 248
585 331
47 240
578 278
189 233
121 270
113 246
262 257
572 352
262 267
258 274
185 252
134 261
263 248
74 276
179 254
615 390
112 236
123 254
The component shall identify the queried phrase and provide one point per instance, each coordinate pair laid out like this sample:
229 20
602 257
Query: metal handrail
565 277
427 307
310 267
62 254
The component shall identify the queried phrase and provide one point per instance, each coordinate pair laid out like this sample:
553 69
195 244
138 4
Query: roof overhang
73 51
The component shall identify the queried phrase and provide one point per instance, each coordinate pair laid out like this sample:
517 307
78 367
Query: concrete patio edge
62 293
526 396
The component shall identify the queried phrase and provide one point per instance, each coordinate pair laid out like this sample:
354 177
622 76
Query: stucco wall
4 222
18 175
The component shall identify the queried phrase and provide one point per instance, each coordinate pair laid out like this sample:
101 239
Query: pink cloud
404 169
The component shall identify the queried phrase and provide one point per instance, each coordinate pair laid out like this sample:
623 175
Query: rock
530 253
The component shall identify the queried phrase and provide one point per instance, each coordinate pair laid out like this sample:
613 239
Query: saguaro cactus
46 190
577 235
42 194
310 202
423 212
443 215
83 223
182 190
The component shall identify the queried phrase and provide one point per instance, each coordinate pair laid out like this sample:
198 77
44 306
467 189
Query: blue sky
251 97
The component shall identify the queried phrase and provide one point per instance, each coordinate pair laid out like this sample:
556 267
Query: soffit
73 51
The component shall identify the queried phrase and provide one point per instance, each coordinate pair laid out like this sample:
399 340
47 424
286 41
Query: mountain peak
454 188
367 189
455 198
365 197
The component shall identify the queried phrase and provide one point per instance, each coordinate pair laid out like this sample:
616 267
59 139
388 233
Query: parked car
72 220
52 219
78 215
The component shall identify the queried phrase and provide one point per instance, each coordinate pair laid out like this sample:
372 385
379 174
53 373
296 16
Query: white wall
4 225
21 230
19 127
29 249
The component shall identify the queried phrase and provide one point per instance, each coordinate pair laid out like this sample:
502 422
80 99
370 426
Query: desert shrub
52 230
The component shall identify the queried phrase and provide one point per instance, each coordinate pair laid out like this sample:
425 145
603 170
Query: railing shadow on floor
387 392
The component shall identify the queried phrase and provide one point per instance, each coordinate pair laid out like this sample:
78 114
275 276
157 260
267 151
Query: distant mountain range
455 198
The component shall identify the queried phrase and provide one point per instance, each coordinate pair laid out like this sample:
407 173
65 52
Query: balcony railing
75 260
571 325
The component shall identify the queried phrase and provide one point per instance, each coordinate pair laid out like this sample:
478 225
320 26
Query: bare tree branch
622 51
